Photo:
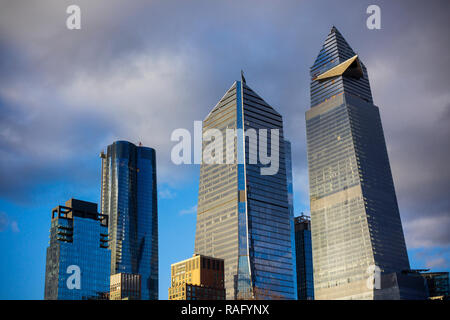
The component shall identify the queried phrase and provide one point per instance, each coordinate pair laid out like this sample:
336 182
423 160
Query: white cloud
438 263
15 227
166 194
427 231
191 210
5 222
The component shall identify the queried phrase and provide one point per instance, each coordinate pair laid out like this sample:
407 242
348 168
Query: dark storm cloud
139 70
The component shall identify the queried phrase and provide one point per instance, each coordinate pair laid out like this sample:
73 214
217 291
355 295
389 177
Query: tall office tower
78 257
303 251
355 219
289 179
243 211
197 278
129 198
125 286
290 192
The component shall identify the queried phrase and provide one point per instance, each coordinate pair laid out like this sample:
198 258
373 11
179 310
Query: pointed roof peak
335 50
334 29
242 77
335 32
345 51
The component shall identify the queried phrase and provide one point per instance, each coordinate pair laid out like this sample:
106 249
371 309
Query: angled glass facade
355 218
78 257
243 216
438 284
290 193
303 250
129 198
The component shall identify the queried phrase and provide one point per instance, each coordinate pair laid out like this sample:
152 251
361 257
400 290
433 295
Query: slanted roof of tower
351 67
216 107
335 50
246 87
242 76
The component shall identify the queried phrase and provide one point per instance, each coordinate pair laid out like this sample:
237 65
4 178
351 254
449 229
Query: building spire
242 77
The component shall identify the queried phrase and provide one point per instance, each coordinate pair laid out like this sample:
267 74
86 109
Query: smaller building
438 284
303 252
404 285
125 286
197 278
78 257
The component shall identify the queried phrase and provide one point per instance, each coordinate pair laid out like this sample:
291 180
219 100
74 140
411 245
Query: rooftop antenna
242 76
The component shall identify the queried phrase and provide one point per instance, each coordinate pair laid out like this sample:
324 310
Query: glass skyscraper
243 215
290 193
303 250
78 257
438 284
129 199
355 219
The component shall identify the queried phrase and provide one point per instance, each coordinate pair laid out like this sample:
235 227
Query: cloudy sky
137 70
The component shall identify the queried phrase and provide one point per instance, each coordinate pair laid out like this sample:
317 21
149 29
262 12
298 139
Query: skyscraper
243 211
290 193
355 218
78 257
303 254
129 199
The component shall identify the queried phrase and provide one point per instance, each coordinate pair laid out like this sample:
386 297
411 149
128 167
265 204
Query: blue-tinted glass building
78 258
244 216
290 193
437 284
355 219
303 252
129 199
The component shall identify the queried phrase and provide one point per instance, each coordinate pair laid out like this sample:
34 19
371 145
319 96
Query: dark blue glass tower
355 220
78 257
290 194
303 251
129 198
